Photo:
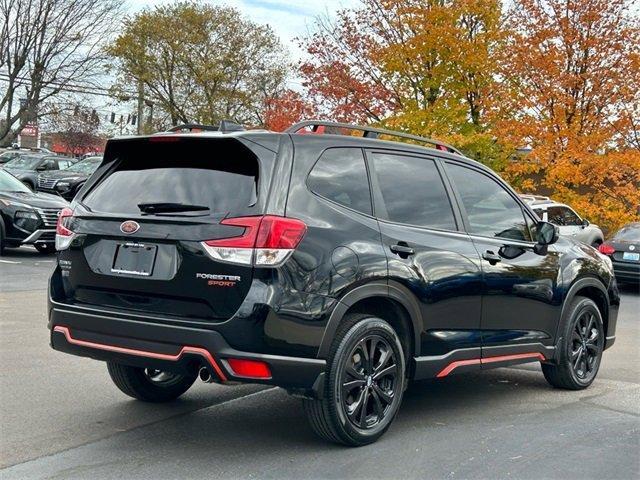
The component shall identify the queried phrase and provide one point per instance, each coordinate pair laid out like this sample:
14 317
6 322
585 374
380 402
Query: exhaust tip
205 375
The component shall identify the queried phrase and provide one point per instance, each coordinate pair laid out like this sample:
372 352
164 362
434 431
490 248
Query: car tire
360 398
45 248
596 243
580 347
147 384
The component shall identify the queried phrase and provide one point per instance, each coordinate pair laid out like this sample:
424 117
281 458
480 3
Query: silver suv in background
567 220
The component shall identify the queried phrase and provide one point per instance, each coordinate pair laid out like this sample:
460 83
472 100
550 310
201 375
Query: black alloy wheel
363 385
580 347
369 379
586 346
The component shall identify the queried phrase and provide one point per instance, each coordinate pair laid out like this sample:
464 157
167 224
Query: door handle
402 250
491 257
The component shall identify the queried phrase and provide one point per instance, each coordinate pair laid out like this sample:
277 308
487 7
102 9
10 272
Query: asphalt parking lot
60 416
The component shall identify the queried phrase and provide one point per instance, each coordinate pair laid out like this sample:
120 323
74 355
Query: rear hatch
139 225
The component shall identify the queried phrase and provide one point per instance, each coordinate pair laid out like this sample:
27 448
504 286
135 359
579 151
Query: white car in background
567 220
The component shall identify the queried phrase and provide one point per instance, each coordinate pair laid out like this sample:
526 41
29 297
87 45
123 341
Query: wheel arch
593 289
378 298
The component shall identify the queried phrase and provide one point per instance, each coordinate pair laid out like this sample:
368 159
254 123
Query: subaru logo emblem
129 227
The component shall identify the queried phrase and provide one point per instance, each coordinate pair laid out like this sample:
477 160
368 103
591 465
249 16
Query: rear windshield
219 177
630 232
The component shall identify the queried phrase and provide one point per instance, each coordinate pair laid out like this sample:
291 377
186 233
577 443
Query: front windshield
25 162
8 155
9 183
87 166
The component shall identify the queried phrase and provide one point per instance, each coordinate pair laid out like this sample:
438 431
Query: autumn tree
284 109
423 66
201 63
48 47
572 93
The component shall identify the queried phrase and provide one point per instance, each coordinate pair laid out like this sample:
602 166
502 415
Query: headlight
26 220
23 214
62 185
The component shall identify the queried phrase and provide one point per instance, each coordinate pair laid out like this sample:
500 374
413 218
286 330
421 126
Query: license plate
631 256
134 259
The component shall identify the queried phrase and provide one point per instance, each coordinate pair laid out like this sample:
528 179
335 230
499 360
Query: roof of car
228 128
540 201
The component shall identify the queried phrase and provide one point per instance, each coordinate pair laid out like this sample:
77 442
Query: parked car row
34 188
27 217
623 248
569 223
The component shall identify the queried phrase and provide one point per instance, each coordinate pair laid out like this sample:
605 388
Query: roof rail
530 197
368 132
225 126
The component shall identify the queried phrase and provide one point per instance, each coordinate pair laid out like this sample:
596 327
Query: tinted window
217 175
48 165
491 211
85 166
539 213
340 175
630 233
412 191
563 216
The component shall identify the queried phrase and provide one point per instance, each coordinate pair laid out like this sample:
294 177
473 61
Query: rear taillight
267 241
249 368
606 249
64 234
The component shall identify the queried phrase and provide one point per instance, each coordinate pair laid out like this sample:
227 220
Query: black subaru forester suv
337 266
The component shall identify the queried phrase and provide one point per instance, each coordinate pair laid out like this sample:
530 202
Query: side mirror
547 233
585 223
41 168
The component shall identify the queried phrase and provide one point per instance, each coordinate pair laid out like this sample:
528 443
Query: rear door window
206 174
412 191
340 175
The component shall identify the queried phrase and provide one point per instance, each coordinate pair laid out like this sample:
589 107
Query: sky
288 18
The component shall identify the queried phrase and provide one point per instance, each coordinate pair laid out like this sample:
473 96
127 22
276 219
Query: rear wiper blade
170 207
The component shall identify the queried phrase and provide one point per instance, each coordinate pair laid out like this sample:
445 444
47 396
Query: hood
16 170
60 174
35 199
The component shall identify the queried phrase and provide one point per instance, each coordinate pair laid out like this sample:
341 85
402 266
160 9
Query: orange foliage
571 91
559 76
286 109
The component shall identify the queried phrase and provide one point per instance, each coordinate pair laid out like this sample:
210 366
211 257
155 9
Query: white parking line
9 261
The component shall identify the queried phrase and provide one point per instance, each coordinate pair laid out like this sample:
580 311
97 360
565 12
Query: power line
71 88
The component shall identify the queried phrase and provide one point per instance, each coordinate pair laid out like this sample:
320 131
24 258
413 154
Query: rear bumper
626 271
104 336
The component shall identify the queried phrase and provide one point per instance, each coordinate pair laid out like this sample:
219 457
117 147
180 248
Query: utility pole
140 107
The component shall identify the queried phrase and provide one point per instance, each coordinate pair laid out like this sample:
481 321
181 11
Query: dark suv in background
338 267
26 168
69 181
